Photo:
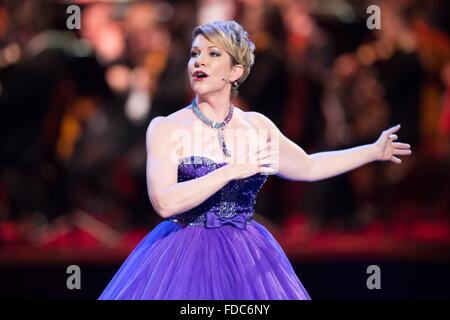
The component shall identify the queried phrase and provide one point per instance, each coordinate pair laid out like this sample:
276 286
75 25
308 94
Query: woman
205 164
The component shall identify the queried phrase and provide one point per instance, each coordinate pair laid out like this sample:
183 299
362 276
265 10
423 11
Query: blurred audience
76 104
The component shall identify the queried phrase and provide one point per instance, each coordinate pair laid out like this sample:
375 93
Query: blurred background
75 106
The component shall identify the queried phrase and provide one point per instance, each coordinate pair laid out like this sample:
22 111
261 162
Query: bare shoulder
181 115
158 124
159 129
258 120
164 125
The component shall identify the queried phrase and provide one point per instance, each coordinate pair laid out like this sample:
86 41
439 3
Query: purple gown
215 251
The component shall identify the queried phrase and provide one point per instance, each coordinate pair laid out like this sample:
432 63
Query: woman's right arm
166 195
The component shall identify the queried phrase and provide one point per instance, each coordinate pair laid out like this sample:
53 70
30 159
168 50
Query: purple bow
215 221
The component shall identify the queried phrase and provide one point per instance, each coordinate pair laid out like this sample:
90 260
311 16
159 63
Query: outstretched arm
332 163
295 164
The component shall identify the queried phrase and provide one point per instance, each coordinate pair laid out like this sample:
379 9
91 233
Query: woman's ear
236 72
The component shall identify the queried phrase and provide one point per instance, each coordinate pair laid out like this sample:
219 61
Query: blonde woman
205 165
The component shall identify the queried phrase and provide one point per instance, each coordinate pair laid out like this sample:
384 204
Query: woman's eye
215 54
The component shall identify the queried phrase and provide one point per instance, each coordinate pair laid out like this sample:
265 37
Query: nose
199 61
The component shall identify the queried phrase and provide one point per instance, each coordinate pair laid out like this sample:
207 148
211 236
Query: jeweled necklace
219 126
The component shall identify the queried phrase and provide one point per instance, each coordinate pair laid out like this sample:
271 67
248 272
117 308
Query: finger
401 145
393 129
396 160
393 137
267 146
268 155
271 160
252 154
255 153
254 146
267 170
268 162
402 152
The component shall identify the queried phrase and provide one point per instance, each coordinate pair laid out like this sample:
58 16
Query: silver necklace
219 126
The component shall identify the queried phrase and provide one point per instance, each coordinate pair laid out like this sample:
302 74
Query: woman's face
212 60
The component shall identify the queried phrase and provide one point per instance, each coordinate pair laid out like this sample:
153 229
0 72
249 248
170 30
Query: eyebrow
195 47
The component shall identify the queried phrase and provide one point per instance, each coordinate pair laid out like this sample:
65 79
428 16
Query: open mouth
199 75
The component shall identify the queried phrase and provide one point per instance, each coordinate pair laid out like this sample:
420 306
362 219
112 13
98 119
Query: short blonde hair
234 39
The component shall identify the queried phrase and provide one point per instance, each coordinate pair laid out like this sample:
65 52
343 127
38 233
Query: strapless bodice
233 204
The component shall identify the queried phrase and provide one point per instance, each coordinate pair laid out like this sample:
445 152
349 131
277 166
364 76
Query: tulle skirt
197 263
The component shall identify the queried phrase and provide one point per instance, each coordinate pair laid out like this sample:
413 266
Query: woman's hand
387 149
264 160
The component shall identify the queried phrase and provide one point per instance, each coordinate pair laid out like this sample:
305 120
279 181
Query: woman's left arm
295 164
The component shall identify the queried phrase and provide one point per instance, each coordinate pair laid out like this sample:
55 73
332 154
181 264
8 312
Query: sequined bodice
235 199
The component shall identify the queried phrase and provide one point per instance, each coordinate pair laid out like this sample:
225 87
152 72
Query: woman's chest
200 140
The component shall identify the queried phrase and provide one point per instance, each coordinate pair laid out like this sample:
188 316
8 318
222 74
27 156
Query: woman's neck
214 108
